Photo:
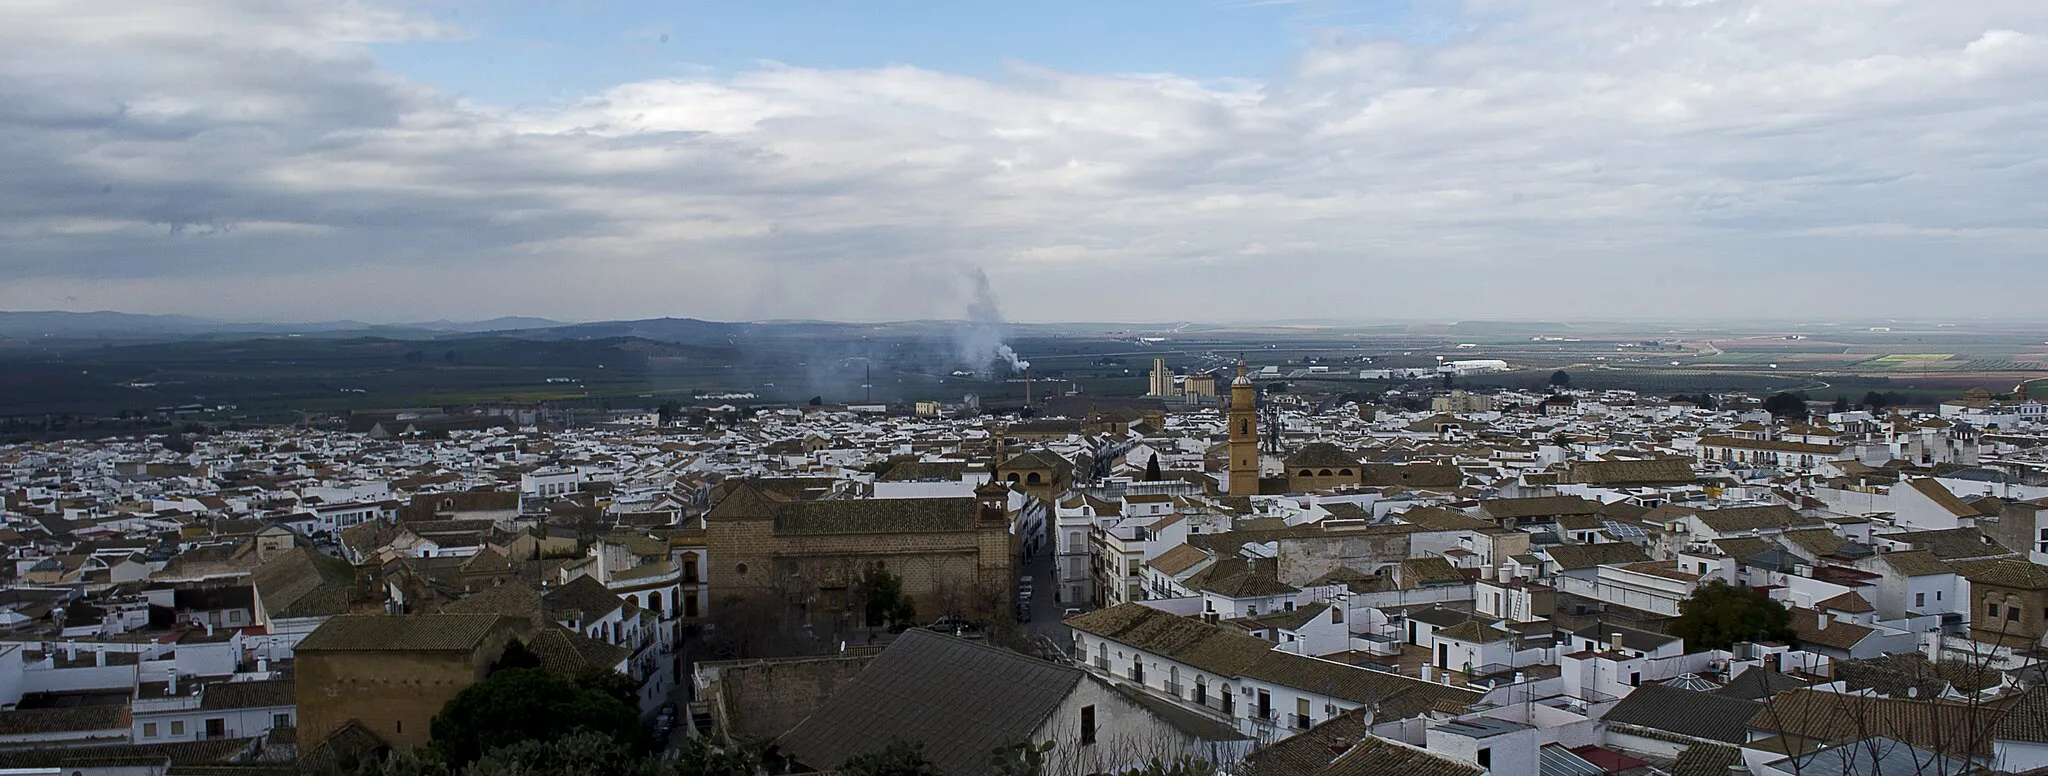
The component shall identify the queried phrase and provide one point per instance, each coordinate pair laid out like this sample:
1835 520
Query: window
1087 725
177 727
690 605
1485 757
1919 599
148 730
1290 606
1635 679
398 726
690 568
2012 614
1301 716
281 720
234 615
1251 610
740 568
1991 610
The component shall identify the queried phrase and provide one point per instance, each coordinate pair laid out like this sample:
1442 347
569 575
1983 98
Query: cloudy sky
1098 159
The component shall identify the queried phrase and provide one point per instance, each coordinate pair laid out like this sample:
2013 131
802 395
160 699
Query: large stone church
953 555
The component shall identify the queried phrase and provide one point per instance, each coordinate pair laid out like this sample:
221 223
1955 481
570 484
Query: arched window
1323 473
654 603
1307 473
1034 479
1343 472
1244 427
1013 477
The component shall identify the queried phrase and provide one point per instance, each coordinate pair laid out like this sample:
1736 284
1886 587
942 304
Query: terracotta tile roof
405 632
1181 558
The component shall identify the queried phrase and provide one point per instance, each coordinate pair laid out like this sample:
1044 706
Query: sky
1130 160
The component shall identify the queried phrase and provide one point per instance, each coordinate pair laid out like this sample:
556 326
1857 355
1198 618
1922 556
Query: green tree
1874 400
669 411
528 704
1787 406
1560 379
896 758
576 754
885 599
1020 759
1152 472
1718 615
1841 404
697 756
516 655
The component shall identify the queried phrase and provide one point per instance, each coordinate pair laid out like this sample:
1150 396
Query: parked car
1024 586
1070 613
950 623
1024 612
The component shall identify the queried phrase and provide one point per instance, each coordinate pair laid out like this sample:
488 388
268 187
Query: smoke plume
980 345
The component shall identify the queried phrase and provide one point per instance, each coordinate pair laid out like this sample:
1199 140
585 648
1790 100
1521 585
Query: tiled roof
1321 454
1838 635
1916 563
1540 506
1832 717
1951 543
1377 756
1571 557
959 699
571 654
1940 495
305 583
1662 471
1739 519
1686 713
405 632
247 695
1440 519
1849 602
1181 558
1226 653
583 599
2005 572
63 720
1238 577
1706 760
512 598
867 516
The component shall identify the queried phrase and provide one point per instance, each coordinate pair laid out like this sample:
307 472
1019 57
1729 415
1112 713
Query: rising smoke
980 344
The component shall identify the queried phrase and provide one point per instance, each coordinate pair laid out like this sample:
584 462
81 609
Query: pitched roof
570 654
960 699
1830 716
1737 519
1321 454
1376 756
866 516
1940 495
1181 558
400 632
305 583
1226 653
2005 572
1540 506
582 599
1572 557
1238 577
1838 634
1686 713
1659 471
1916 563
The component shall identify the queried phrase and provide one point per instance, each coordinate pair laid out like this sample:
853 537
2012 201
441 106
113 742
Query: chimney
1340 745
99 658
1426 669
262 664
1614 641
174 682
1520 677
1820 621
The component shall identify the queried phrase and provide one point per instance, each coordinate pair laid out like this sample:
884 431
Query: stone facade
952 554
394 693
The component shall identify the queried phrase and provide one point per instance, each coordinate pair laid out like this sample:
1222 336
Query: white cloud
1713 157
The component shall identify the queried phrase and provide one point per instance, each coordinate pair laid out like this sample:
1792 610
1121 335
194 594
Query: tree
528 704
1874 400
1717 615
1152 472
1560 379
516 655
1020 759
885 599
1787 406
896 758
698 756
1841 404
1448 377
572 755
669 411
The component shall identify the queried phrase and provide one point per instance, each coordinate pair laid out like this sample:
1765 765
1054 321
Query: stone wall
762 700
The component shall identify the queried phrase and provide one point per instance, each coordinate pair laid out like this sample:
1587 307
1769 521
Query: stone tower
1244 436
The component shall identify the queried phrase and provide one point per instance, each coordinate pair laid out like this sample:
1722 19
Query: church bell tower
1244 436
